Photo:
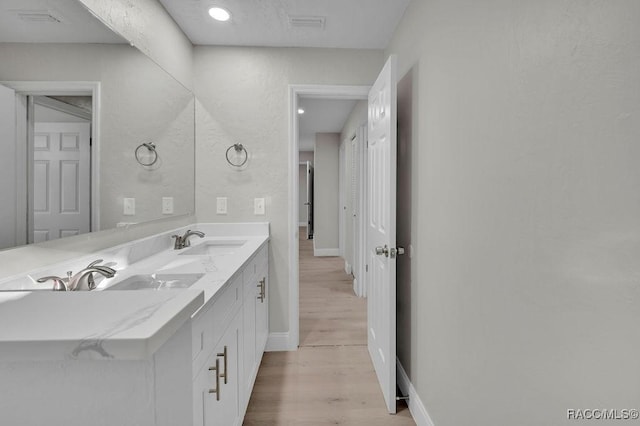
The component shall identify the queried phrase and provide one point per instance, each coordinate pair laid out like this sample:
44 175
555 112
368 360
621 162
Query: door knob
398 251
382 250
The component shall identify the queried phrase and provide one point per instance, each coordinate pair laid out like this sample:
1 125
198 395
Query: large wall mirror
77 103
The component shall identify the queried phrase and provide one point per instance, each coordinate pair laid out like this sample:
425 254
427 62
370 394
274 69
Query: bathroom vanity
174 338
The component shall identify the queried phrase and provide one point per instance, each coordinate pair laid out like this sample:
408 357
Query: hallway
330 379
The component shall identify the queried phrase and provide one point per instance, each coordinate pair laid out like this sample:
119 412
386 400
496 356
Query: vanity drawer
201 336
211 321
225 306
255 265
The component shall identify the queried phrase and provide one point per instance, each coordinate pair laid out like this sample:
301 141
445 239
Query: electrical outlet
167 205
221 205
129 208
258 206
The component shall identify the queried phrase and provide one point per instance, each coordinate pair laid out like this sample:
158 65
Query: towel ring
151 147
239 149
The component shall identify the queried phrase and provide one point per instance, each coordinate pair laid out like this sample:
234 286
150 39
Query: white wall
243 97
526 219
8 183
326 205
148 27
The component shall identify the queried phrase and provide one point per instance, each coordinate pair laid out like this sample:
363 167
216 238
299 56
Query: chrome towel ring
149 159
241 155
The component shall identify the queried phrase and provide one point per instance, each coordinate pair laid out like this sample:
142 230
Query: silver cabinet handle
224 355
217 389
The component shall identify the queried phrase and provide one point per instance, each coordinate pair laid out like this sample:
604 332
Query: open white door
381 231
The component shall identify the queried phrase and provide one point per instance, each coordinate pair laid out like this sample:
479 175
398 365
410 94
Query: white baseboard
301 224
347 268
279 342
416 407
326 252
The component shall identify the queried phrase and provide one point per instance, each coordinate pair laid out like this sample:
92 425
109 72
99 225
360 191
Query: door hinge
366 268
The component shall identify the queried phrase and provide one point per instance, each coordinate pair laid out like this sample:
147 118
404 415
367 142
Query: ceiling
361 24
51 21
321 116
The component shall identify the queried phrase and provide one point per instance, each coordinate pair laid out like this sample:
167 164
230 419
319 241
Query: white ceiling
321 116
51 21
363 24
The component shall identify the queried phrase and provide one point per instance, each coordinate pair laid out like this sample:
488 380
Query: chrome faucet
83 280
183 241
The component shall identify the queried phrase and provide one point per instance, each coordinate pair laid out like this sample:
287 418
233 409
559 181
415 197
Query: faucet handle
58 283
94 263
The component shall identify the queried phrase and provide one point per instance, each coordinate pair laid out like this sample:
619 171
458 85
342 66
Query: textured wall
148 26
139 102
525 296
326 203
243 97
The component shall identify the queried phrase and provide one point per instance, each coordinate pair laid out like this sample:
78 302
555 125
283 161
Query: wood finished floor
330 379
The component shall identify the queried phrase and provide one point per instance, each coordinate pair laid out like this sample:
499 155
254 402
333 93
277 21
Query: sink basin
214 248
156 282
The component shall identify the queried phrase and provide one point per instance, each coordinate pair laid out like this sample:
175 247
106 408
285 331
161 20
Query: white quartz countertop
126 324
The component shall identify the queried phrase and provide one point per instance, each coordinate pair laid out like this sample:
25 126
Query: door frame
289 341
71 88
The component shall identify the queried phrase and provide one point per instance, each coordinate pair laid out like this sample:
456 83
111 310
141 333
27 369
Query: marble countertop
115 325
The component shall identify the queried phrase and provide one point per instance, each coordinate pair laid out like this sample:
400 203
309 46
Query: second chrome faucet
81 281
182 241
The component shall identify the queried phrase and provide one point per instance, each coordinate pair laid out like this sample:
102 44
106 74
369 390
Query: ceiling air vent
36 16
307 22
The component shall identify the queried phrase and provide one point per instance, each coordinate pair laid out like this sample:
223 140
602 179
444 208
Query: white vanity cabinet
228 338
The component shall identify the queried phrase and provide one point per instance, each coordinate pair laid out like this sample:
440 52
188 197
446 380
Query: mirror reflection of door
61 167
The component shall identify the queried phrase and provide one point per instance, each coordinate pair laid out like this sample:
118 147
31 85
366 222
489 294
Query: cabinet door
262 315
249 342
223 408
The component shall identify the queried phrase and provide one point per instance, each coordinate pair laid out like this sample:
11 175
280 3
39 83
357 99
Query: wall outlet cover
221 205
258 206
129 208
167 205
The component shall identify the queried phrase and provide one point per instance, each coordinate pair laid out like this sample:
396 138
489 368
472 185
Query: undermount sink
156 282
214 248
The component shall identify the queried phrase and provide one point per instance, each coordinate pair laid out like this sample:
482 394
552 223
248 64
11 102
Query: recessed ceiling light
300 111
219 14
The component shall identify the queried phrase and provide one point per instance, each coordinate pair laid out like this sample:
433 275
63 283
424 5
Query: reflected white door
62 180
381 231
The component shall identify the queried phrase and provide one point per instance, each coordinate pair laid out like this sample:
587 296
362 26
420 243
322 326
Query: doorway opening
55 165
299 94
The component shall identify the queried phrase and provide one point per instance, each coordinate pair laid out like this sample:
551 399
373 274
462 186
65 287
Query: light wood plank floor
329 380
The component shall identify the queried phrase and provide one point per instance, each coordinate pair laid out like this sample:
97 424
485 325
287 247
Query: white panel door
381 231
62 180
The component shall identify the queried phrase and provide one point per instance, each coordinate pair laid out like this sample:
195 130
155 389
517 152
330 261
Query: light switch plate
167 205
258 206
129 207
221 205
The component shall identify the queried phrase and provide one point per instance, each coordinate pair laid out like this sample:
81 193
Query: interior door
309 202
62 180
381 230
